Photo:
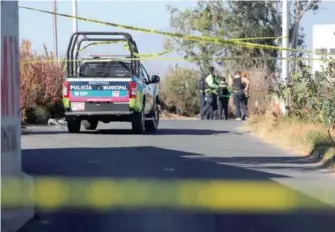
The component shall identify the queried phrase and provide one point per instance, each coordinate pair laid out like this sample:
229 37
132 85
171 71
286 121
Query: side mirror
155 79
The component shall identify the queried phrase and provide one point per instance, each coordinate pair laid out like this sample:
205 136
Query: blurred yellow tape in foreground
102 194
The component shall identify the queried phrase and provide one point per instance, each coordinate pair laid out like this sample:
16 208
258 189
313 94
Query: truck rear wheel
138 123
73 125
90 124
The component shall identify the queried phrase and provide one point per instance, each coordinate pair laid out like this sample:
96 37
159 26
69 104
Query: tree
296 38
236 19
203 20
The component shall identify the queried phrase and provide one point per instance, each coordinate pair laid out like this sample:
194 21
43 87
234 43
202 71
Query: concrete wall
323 38
13 218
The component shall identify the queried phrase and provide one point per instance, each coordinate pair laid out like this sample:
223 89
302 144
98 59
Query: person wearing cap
223 99
240 87
211 86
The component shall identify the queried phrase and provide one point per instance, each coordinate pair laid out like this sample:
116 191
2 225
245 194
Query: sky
38 27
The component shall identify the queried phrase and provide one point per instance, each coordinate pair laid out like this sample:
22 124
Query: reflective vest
224 90
208 88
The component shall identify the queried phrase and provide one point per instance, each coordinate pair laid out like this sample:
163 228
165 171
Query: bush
38 115
310 125
179 91
41 84
312 97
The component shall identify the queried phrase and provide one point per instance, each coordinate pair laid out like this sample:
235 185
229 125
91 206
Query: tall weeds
40 79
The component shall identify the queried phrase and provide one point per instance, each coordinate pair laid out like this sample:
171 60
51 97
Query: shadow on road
163 131
43 132
129 132
153 162
127 162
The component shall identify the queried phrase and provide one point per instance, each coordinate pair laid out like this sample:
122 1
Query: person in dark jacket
240 87
201 85
211 86
223 99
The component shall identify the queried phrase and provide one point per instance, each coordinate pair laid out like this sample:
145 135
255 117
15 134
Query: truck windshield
105 69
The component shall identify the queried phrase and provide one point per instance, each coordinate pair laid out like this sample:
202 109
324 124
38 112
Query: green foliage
231 20
179 89
37 115
312 97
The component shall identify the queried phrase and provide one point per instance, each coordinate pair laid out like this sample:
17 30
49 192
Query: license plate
78 106
116 93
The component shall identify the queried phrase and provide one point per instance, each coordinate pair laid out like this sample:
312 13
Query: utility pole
285 44
74 14
55 36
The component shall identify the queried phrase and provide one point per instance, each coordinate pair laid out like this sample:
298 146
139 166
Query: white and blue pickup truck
109 89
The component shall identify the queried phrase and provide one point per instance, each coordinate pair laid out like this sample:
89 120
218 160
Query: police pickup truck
108 90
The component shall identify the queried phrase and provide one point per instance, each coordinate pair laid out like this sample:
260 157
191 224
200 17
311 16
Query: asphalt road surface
189 149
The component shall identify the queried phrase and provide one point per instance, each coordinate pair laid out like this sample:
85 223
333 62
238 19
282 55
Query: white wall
323 38
13 218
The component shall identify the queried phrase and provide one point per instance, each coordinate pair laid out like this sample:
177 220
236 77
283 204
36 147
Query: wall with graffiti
14 218
10 99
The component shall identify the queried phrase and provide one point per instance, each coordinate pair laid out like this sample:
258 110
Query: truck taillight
66 90
132 90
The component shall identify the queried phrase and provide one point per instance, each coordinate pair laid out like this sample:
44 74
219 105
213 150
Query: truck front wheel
73 125
152 125
138 123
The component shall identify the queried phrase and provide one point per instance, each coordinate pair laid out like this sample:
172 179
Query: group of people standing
215 94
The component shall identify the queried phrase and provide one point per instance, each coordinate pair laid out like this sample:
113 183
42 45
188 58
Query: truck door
148 90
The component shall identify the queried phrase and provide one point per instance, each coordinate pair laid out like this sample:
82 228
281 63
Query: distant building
323 41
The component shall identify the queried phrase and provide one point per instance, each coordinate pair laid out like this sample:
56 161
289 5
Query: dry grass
295 136
40 81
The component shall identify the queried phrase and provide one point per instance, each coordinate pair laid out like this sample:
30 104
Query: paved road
181 149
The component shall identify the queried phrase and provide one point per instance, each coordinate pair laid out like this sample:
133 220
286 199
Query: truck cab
108 89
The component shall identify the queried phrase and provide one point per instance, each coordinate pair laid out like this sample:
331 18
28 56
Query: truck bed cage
73 49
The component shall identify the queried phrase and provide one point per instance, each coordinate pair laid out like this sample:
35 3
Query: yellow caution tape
178 35
259 38
102 194
126 48
143 58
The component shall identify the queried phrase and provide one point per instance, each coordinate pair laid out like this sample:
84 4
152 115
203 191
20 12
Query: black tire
138 123
73 125
152 125
90 125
